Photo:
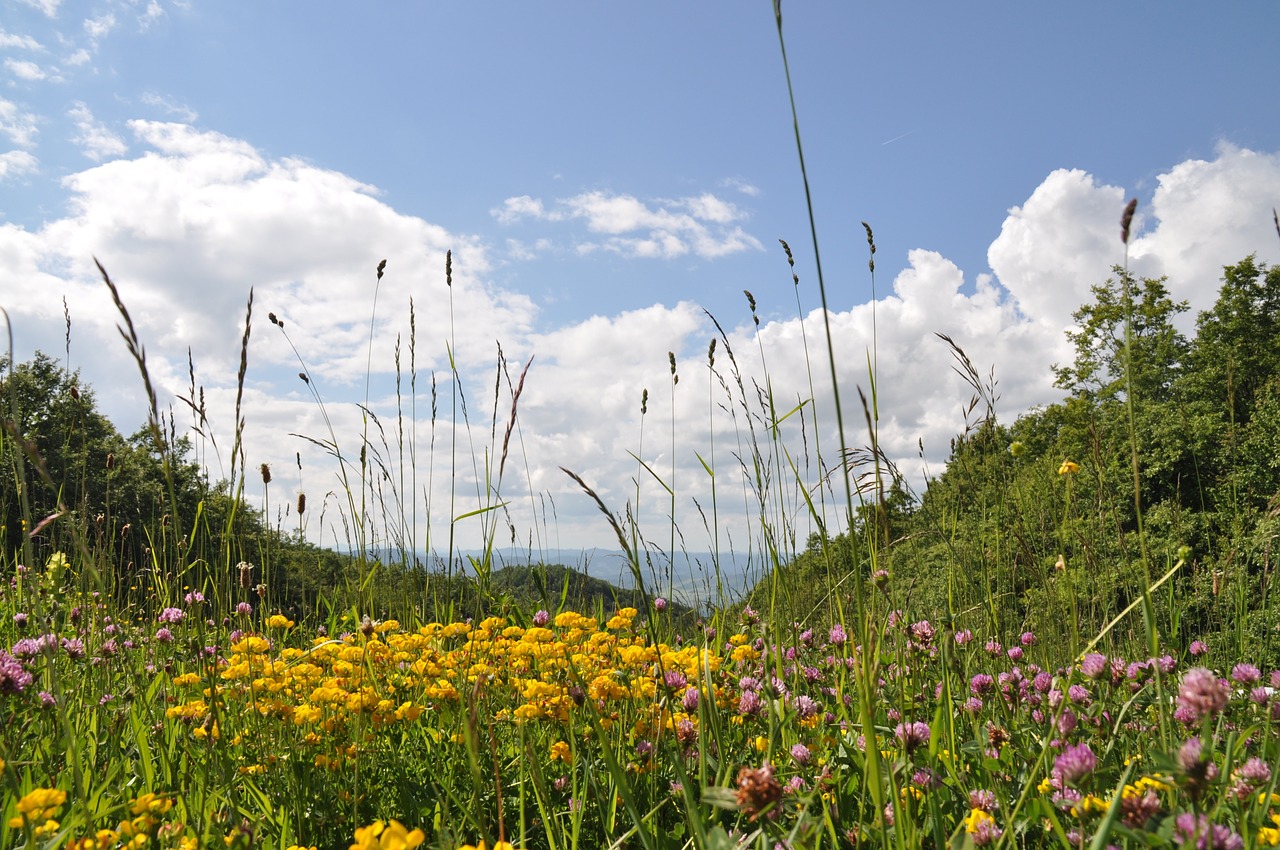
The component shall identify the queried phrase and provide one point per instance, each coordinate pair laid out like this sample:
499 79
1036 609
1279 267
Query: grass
177 703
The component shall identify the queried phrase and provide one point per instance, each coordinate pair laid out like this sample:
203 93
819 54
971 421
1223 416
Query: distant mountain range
689 578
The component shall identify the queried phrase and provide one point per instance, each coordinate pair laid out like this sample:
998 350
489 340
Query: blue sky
603 172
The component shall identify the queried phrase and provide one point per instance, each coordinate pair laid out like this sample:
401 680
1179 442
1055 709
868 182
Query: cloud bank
191 220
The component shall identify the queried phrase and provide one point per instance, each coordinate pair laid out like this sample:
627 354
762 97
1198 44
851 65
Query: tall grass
175 703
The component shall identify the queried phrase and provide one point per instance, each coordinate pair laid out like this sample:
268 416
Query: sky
610 179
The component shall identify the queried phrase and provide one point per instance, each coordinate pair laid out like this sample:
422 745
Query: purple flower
1201 694
749 703
674 679
964 637
806 707
74 647
912 735
1075 763
1198 648
14 678
1246 674
1014 653
47 700
1205 835
164 635
541 618
994 649
660 604
982 799
922 632
1079 695
1254 772
20 619
1028 638
837 636
801 754
171 615
195 597
1093 665
981 683
690 699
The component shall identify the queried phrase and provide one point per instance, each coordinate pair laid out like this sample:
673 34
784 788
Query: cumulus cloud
17 163
95 139
705 225
194 219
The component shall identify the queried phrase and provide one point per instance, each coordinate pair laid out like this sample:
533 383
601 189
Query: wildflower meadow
1066 639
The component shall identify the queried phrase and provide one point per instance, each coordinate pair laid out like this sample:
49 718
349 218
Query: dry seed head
448 268
871 243
381 266
644 401
265 469
758 790
1127 219
1276 215
303 376
302 503
791 261
711 352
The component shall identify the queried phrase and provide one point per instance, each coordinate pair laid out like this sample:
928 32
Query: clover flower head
1202 694
1075 763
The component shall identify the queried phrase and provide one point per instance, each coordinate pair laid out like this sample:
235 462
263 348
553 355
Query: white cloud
21 42
514 209
80 57
95 139
24 70
737 183
702 225
189 225
97 27
17 163
170 107
49 7
21 127
153 13
1210 213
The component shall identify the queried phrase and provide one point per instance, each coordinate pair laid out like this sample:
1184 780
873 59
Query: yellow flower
1068 468
152 803
975 819
560 750
41 804
387 836
279 621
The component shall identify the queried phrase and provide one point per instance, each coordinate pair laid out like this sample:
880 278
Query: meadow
1067 640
